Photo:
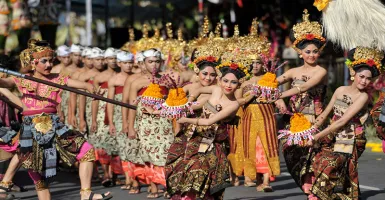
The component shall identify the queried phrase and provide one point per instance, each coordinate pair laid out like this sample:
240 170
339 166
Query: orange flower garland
299 123
176 97
300 131
268 80
176 104
152 96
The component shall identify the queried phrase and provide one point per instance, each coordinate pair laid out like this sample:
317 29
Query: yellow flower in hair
299 123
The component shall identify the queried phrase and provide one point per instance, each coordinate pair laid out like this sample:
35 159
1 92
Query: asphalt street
371 176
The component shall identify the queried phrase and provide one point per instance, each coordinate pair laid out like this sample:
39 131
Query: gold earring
197 78
352 78
300 56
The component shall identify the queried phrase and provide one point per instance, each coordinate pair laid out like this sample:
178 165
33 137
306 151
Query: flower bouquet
176 104
267 86
300 131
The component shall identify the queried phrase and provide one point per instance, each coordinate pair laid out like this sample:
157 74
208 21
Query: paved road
371 169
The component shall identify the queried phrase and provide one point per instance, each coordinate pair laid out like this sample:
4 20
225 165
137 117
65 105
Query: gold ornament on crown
368 56
130 46
247 49
307 30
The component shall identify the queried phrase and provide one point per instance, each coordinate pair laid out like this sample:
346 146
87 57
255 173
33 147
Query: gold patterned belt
43 123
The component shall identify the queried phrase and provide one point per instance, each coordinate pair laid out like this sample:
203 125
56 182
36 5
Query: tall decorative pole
89 21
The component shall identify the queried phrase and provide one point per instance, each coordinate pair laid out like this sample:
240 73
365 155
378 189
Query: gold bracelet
299 89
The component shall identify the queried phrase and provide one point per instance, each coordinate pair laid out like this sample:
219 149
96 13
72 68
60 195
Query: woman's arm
243 99
285 77
314 81
322 117
223 114
203 90
348 115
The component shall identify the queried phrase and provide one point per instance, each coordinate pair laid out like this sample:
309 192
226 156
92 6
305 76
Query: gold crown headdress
40 49
307 30
367 56
142 44
210 48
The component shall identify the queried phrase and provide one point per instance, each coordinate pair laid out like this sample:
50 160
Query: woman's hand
182 120
280 104
310 143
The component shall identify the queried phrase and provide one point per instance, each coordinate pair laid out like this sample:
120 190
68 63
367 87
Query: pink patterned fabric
10 148
37 96
83 150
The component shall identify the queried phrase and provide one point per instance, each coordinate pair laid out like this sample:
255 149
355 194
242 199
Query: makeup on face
207 76
229 83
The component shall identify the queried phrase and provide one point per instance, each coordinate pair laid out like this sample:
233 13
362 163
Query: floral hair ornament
235 67
267 87
201 59
300 131
367 56
176 104
307 30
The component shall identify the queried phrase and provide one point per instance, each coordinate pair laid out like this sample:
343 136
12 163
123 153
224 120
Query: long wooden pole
64 87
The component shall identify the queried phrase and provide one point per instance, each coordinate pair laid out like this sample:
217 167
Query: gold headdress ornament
156 41
170 46
207 49
193 44
36 50
142 44
231 56
307 30
367 56
130 46
249 48
25 58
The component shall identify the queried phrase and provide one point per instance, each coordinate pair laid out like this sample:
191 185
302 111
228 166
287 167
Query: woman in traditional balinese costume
154 133
253 141
306 95
378 111
44 138
343 142
197 165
